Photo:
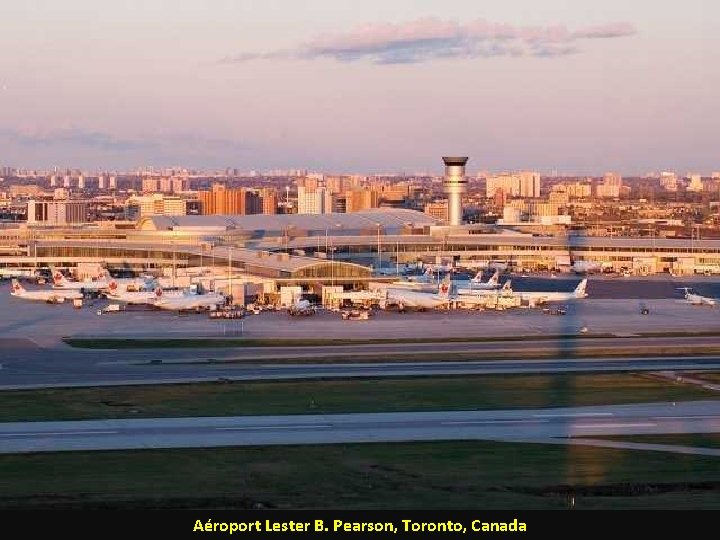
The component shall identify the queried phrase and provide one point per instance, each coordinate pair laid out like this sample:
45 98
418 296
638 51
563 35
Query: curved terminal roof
389 219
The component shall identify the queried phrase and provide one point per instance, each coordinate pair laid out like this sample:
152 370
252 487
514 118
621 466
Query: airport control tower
455 185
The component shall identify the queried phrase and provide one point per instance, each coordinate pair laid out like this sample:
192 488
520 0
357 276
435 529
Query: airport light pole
174 268
230 288
397 258
379 255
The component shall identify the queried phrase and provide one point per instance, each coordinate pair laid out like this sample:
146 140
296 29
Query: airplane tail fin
58 277
581 288
16 287
685 290
113 288
494 279
444 288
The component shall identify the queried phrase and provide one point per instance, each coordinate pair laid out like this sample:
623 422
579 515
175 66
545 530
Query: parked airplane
137 283
44 295
543 297
426 277
470 297
9 273
188 301
697 299
404 298
61 282
492 280
145 296
485 290
102 282
477 283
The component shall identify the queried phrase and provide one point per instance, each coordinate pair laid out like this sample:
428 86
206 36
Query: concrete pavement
535 425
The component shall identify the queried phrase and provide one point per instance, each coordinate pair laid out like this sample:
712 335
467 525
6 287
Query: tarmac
45 324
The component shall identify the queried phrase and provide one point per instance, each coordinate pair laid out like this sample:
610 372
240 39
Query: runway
539 425
97 370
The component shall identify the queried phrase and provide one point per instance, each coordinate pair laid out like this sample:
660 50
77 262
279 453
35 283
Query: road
538 425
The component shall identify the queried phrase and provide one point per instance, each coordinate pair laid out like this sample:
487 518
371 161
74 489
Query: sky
572 86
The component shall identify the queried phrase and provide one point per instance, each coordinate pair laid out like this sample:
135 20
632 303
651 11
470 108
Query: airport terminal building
337 249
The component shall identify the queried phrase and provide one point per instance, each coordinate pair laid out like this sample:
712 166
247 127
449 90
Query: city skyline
577 89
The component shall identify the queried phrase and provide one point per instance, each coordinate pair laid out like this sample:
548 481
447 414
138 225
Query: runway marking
299 426
42 433
690 417
508 421
573 415
594 426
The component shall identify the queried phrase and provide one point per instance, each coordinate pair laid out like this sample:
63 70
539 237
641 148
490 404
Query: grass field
452 475
173 343
350 395
210 343
710 377
700 440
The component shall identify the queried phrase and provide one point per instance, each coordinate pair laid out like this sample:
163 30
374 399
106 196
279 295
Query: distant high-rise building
579 190
165 184
524 184
268 200
611 186
66 181
696 183
337 184
669 181
314 201
102 181
529 184
113 182
60 212
155 204
358 200
53 181
178 184
81 182
223 201
311 181
150 184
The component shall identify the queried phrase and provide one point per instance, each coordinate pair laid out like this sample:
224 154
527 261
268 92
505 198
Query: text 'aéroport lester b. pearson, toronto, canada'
337 525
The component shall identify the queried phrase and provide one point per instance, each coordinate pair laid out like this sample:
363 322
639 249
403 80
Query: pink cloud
427 39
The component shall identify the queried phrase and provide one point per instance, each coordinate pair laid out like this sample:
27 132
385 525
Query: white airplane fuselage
190 301
416 299
46 295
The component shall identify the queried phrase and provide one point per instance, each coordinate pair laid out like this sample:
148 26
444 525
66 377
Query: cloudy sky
371 86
